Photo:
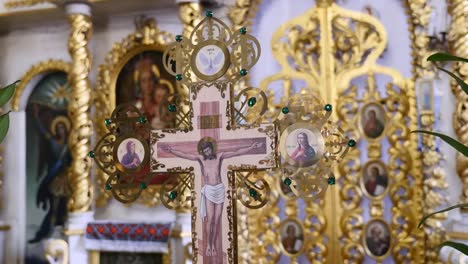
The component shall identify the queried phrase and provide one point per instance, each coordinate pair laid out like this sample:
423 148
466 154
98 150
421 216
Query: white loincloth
214 193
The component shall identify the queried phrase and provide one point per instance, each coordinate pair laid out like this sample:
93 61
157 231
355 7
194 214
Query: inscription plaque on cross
210 149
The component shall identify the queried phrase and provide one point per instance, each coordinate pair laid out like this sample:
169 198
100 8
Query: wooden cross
212 150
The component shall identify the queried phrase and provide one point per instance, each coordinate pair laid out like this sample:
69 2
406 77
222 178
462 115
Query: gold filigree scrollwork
125 182
356 41
155 136
247 108
297 43
241 16
272 159
327 39
221 86
103 153
243 13
147 37
177 108
311 181
190 16
398 106
419 13
232 220
242 51
252 192
176 190
308 184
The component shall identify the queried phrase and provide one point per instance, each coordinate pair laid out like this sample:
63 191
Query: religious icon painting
144 82
301 145
211 60
292 237
372 120
133 74
377 239
131 154
374 179
48 157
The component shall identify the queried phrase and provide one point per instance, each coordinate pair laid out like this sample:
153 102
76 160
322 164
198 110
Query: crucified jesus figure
213 190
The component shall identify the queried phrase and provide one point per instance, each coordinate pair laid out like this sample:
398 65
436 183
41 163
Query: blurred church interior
78 60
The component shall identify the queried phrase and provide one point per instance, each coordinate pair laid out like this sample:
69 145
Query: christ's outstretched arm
242 151
180 154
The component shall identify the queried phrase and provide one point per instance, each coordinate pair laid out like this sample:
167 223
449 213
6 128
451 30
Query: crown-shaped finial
211 50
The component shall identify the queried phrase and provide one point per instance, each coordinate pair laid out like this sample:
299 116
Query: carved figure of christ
210 148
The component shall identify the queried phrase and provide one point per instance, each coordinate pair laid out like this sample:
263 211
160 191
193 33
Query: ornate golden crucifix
219 146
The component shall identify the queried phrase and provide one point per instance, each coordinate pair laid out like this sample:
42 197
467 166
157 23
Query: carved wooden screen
373 210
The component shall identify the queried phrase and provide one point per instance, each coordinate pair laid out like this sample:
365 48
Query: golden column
79 18
458 37
79 106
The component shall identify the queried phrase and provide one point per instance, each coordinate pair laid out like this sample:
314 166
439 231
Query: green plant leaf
4 125
445 57
458 246
460 82
452 142
7 92
441 211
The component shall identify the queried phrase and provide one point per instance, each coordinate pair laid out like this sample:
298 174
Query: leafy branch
5 95
461 148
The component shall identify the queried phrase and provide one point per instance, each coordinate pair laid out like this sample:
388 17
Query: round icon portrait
131 153
302 146
373 120
377 239
375 178
292 236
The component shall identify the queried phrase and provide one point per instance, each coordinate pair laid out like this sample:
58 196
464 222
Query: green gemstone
285 110
107 121
287 181
91 154
252 101
243 72
328 107
209 13
331 181
178 38
142 119
143 185
172 108
243 30
253 192
178 77
351 143
108 187
173 195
